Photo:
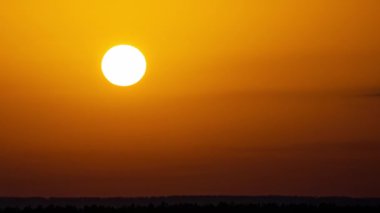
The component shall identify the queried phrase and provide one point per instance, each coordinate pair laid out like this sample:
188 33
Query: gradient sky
241 97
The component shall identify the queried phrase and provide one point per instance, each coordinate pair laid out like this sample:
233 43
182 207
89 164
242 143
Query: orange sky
240 97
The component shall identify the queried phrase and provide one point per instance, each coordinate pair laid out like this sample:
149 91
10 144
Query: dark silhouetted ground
188 204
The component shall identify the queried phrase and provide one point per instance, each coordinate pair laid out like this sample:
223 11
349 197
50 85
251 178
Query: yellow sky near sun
249 44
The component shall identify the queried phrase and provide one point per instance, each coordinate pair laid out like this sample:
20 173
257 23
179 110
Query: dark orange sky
240 98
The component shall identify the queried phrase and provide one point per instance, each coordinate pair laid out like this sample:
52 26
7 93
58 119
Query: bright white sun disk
123 65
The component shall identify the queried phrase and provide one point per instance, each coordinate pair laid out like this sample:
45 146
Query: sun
124 65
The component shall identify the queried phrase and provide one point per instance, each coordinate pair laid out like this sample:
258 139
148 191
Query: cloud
375 94
372 93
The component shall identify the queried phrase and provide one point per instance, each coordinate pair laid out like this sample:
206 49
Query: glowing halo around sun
123 65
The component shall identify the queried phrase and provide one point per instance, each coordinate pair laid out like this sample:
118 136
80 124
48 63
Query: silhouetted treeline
190 208
175 200
187 204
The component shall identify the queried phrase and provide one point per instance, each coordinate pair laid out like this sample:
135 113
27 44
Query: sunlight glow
123 65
